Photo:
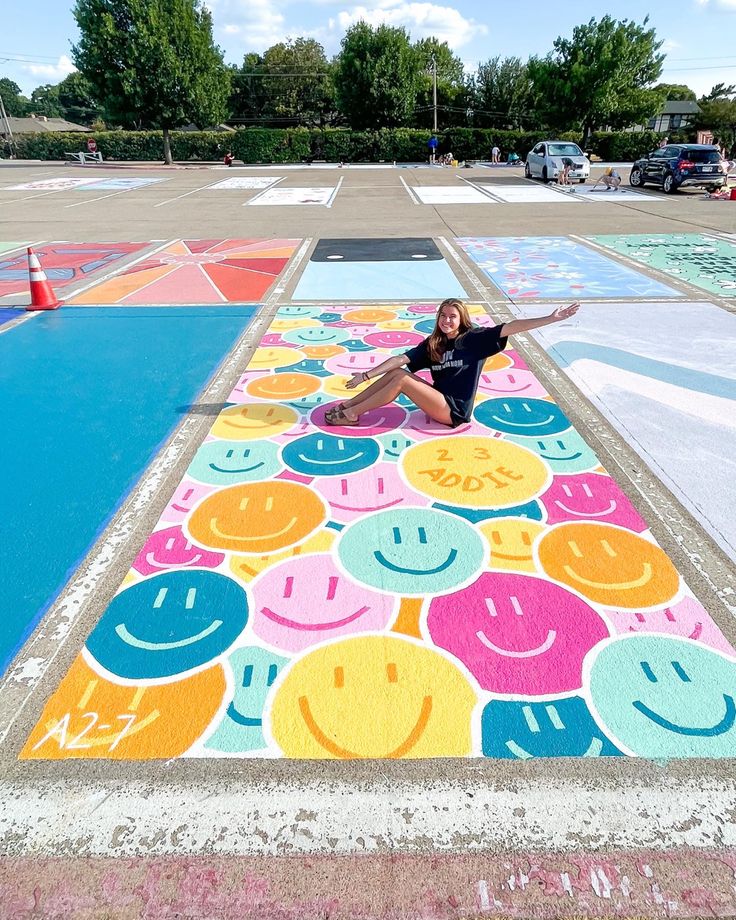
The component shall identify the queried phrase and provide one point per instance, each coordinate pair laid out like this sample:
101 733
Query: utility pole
5 125
434 90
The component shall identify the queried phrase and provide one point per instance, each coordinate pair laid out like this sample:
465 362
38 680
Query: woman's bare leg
421 394
377 385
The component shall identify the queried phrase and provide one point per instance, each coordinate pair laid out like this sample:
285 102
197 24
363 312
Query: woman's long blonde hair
438 342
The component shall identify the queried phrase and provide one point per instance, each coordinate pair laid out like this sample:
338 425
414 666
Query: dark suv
677 165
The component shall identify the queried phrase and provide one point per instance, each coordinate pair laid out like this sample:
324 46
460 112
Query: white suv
546 161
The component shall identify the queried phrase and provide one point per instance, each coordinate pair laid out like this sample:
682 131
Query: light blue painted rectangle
401 280
557 267
87 396
119 185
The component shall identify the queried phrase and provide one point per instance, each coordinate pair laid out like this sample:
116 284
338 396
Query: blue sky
698 34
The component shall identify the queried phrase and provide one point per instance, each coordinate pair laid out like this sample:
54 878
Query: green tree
16 105
377 77
719 116
152 63
77 99
45 101
297 81
452 86
599 77
677 92
247 97
719 91
503 95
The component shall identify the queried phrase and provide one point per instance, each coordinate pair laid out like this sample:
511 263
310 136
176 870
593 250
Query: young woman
454 354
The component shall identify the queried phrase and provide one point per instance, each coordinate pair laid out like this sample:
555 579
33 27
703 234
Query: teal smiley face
412 551
297 312
664 697
316 335
565 453
307 403
528 417
224 463
394 444
254 672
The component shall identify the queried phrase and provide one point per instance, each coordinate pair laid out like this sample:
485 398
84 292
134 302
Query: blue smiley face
169 624
307 403
532 511
308 366
529 417
393 445
412 551
316 335
297 312
224 463
565 453
425 326
518 729
356 345
325 455
662 697
254 672
329 317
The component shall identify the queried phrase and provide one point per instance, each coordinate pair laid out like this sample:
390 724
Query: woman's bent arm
389 364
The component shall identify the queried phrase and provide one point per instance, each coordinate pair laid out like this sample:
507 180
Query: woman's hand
355 380
564 312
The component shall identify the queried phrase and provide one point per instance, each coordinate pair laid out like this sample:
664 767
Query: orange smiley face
93 718
322 352
609 565
254 420
283 386
497 363
257 517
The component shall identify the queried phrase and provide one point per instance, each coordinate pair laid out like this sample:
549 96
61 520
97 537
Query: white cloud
669 44
258 22
421 19
53 72
728 6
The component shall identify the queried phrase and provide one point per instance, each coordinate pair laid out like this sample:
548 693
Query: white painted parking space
322 195
450 194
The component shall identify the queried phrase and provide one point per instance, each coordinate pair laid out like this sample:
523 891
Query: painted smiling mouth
122 631
593 750
266 536
713 731
403 571
517 390
510 558
244 469
329 462
508 653
573 457
151 560
344 754
612 586
376 508
245 721
506 421
312 627
249 424
611 507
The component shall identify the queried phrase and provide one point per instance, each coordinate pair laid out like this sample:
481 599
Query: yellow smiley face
283 386
373 696
254 420
368 316
475 472
257 518
266 359
609 565
247 567
397 325
322 352
511 540
285 323
335 386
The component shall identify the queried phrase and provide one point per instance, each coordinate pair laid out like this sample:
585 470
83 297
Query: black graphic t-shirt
456 375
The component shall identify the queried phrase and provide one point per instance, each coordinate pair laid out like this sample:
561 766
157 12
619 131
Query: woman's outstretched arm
524 325
389 364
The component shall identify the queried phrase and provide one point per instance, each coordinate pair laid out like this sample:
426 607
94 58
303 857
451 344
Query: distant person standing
432 143
664 142
495 154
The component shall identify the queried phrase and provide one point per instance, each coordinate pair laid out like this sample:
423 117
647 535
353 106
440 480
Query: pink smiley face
590 497
419 425
169 549
374 489
372 423
423 308
353 362
274 338
393 339
517 634
298 431
306 600
510 382
687 619
187 494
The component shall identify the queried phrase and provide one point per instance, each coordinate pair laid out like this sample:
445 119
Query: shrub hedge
293 145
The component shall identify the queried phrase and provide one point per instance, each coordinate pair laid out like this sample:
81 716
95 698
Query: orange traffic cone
42 294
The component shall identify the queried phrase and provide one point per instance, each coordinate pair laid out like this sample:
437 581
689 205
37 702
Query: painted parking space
65 264
703 261
554 266
87 398
246 182
9 314
377 269
55 184
198 272
275 197
449 194
395 590
521 193
118 184
9 247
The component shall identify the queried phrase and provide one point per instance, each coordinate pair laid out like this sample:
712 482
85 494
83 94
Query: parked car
545 161
679 165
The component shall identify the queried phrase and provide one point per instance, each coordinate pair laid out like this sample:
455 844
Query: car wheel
635 179
669 186
545 176
528 171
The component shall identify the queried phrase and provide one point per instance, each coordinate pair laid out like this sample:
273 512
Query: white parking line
334 194
78 204
409 191
261 194
119 271
185 194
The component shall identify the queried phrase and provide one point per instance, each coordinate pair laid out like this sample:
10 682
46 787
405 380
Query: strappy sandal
337 417
338 407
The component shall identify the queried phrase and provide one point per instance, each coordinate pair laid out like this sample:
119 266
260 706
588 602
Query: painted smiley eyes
491 607
332 582
391 673
420 531
677 667
248 675
586 488
607 548
498 539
